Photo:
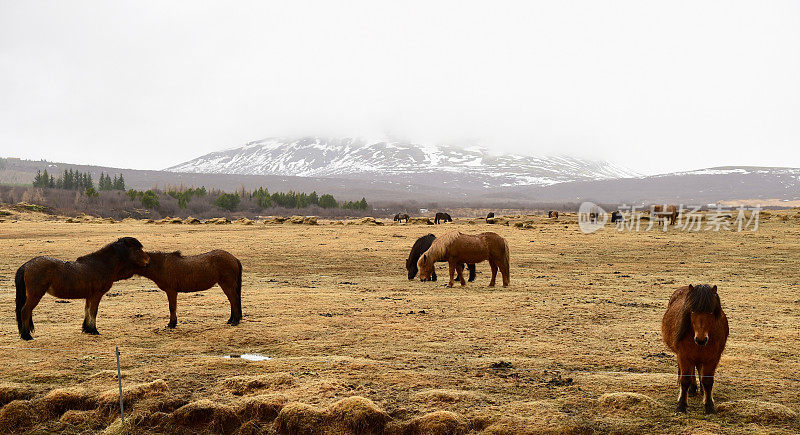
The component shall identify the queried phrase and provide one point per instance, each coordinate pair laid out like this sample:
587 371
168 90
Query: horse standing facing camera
696 329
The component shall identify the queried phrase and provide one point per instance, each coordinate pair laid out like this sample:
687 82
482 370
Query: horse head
704 309
129 250
425 268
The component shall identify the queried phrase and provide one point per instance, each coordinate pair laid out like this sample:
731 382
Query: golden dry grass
577 330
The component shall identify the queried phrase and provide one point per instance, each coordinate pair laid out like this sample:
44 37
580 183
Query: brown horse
174 273
665 212
89 277
696 329
552 214
399 217
420 246
456 249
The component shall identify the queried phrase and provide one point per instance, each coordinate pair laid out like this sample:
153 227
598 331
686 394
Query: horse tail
19 281
239 279
506 256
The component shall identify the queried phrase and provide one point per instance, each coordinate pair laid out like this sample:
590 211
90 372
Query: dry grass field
573 345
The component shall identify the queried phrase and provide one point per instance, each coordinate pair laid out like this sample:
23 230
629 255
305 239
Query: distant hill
690 187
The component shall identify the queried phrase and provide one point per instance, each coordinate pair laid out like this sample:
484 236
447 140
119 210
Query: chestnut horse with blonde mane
457 248
696 329
174 273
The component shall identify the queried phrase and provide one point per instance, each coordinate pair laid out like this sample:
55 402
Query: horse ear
691 287
714 289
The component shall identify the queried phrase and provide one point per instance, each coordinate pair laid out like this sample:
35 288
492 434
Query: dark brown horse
420 246
696 329
399 217
489 216
457 248
552 214
174 273
89 277
442 217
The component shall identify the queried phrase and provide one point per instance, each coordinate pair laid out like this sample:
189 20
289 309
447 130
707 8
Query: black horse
442 217
420 246
616 216
399 217
489 216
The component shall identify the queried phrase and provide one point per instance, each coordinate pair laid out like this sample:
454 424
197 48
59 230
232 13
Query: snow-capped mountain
398 161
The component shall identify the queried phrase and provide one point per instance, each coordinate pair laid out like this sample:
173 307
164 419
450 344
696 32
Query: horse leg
493 266
26 314
90 318
504 270
707 380
460 271
229 288
433 274
693 390
686 370
172 298
452 272
471 268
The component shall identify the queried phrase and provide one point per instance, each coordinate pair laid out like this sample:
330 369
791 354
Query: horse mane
439 247
702 298
104 251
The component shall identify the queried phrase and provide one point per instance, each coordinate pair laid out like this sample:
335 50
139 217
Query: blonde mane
438 249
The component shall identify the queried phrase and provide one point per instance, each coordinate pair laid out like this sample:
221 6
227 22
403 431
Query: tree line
77 180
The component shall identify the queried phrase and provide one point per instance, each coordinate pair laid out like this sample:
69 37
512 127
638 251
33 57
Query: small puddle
248 356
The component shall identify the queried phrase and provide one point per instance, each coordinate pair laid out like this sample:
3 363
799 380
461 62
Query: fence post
119 379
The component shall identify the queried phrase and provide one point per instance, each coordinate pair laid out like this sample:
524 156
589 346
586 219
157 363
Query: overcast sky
654 86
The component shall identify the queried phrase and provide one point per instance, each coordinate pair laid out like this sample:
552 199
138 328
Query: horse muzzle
701 342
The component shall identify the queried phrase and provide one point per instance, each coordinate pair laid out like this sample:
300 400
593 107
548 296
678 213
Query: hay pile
17 416
310 220
218 221
356 415
756 411
525 225
436 423
207 415
241 385
297 220
244 221
60 400
11 392
274 220
191 221
263 408
365 221
108 401
170 220
420 221
499 220
299 419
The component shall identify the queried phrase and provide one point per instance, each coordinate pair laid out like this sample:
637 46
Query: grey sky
655 86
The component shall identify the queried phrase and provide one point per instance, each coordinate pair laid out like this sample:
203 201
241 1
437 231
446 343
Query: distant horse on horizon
552 214
442 217
489 216
174 273
420 246
457 248
696 329
89 277
399 217
668 213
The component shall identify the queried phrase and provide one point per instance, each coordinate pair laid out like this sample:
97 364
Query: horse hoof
26 337
680 409
92 332
172 325
710 409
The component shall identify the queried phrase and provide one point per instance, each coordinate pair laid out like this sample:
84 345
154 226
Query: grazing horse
457 248
666 212
399 217
89 277
420 246
442 217
552 214
489 216
696 329
174 273
616 216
